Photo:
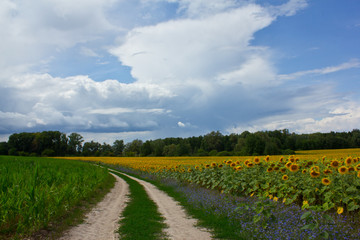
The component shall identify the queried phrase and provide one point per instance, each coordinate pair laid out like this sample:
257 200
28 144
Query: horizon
150 69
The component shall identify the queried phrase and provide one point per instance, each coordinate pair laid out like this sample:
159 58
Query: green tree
75 143
118 147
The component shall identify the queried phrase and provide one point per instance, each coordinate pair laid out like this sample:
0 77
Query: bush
288 152
224 153
13 152
213 153
48 153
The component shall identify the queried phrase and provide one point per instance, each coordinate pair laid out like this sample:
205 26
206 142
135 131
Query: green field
37 191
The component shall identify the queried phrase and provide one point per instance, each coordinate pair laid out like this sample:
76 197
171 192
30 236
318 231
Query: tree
75 143
133 148
213 141
118 147
91 148
4 149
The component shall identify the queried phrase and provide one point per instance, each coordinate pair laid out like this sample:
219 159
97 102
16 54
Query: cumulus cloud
194 72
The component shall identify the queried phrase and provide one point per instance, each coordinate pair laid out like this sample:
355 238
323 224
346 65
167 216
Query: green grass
38 193
141 219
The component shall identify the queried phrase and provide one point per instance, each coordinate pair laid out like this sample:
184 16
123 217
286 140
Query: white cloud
353 63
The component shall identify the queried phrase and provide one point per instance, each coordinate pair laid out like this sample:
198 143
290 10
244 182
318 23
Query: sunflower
325 181
276 168
357 167
340 210
351 169
285 177
275 199
238 168
207 165
314 174
327 171
335 163
256 160
233 164
197 167
283 170
288 164
228 162
315 168
303 171
358 175
343 170
246 162
220 166
292 160
294 168
348 161
238 162
270 169
189 170
281 159
267 158
250 164
213 164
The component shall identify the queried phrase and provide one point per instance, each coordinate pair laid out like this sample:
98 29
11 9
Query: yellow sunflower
304 171
256 160
314 174
357 167
213 164
315 168
348 161
285 177
326 181
294 168
335 163
250 164
327 171
270 169
343 170
283 170
340 210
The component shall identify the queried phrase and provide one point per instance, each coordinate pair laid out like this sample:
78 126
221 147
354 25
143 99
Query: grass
140 218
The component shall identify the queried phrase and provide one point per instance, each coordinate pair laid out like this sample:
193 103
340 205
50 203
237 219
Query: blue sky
147 69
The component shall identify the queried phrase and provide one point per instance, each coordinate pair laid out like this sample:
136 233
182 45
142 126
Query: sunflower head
315 168
326 181
250 164
276 168
357 168
285 177
270 169
233 164
247 161
335 163
351 169
220 166
348 161
213 164
327 171
283 170
267 158
358 174
343 170
207 165
294 168
340 210
237 162
256 160
288 164
189 170
314 174
281 159
228 162
238 168
304 171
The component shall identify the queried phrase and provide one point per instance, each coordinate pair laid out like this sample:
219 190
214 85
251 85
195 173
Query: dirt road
102 222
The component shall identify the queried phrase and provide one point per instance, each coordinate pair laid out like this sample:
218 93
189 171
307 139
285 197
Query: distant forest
55 143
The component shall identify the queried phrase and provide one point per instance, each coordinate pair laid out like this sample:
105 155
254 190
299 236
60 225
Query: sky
148 69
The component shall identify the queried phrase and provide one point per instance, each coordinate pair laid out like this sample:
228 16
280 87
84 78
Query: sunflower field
320 180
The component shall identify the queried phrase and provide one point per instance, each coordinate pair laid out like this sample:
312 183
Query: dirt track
102 222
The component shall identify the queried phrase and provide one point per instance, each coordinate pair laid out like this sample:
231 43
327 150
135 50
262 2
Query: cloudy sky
147 69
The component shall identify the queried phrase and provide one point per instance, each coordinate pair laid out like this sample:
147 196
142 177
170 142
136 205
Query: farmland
34 192
303 186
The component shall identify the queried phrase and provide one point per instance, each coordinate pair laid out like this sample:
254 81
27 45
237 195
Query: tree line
55 143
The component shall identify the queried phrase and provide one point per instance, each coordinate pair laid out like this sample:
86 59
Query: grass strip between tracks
220 226
141 219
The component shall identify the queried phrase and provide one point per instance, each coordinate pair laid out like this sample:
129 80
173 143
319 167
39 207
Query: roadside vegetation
140 218
41 194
